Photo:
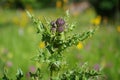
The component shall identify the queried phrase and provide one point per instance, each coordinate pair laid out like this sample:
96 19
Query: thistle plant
56 41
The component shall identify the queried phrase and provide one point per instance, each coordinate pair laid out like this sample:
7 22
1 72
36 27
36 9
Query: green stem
51 74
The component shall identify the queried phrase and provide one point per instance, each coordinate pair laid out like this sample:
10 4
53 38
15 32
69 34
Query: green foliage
46 3
22 4
80 73
37 75
105 8
5 77
19 75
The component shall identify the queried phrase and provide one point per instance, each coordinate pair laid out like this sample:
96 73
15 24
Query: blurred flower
9 64
97 67
20 31
65 1
118 28
80 45
24 19
21 19
42 45
32 69
58 4
96 21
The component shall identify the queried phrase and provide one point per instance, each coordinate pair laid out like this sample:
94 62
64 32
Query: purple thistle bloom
97 67
9 64
60 29
60 22
32 69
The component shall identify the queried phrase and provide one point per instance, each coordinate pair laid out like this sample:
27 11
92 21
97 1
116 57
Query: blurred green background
19 41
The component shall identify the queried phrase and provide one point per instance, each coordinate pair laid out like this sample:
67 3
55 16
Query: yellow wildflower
80 45
42 45
65 1
58 4
118 28
24 19
96 21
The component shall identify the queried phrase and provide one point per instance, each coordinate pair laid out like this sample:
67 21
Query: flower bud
53 29
53 23
60 29
60 22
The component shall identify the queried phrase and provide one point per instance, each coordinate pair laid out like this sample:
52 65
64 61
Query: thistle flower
60 29
32 68
60 22
97 67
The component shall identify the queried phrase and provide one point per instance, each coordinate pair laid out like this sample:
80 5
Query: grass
19 44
